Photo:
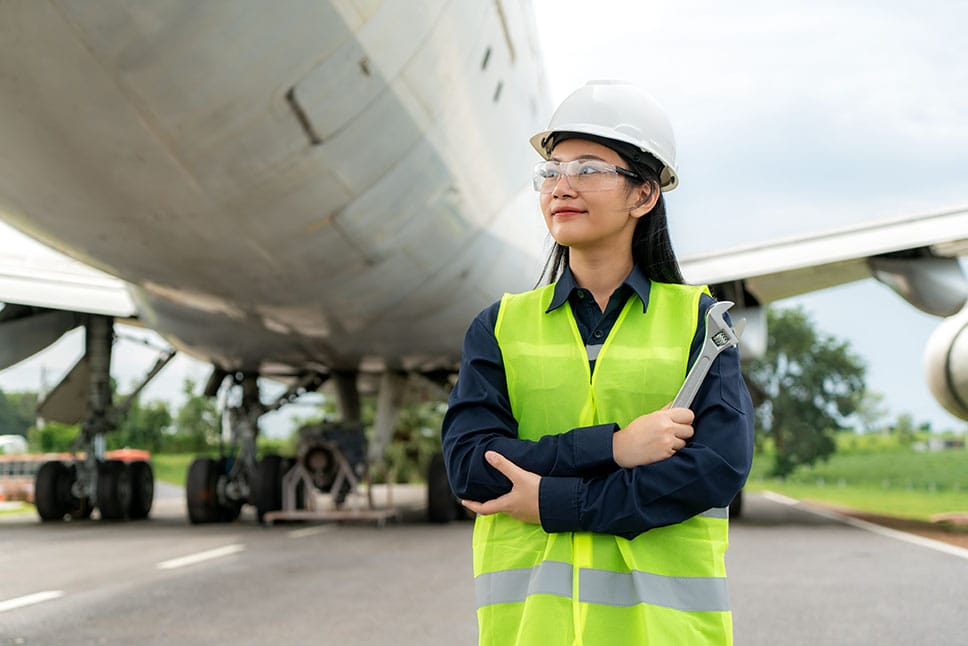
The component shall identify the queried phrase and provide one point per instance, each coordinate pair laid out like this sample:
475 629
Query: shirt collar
566 285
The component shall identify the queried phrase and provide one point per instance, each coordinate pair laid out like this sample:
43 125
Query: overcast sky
791 117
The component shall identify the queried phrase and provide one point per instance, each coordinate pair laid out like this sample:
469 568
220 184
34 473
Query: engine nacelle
946 364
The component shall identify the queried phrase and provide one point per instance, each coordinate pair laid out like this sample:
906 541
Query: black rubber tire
113 489
442 504
142 490
200 491
52 491
267 485
736 506
228 511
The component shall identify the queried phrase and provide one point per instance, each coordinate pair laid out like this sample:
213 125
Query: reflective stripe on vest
585 588
690 594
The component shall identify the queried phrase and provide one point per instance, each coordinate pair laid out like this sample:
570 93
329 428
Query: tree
904 428
197 421
18 412
143 427
872 412
54 437
812 383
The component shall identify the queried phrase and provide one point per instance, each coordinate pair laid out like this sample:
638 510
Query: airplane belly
280 182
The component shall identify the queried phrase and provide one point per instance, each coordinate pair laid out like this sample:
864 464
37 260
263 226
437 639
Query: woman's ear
644 196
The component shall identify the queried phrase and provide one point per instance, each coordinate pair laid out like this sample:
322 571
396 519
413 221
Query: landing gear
206 476
142 490
216 489
52 493
113 489
119 490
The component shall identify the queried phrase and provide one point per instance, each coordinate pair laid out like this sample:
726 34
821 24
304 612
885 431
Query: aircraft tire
142 490
227 511
52 491
441 502
267 485
114 489
200 491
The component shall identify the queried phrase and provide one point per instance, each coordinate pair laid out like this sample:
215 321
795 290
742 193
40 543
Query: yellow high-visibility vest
666 586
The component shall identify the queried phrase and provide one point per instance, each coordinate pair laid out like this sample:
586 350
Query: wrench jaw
724 336
719 337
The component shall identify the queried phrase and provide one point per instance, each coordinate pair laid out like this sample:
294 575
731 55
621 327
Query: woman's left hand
521 502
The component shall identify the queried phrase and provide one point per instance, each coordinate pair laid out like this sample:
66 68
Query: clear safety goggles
581 175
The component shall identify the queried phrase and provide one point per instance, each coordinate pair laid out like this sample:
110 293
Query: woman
600 509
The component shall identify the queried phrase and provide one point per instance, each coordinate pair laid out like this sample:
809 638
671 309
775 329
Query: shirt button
598 334
581 293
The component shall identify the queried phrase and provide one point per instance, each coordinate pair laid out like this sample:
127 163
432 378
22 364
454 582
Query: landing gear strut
120 490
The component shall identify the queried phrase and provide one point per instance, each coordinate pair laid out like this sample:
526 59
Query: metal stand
345 486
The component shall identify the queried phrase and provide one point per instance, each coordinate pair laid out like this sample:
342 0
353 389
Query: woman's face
594 220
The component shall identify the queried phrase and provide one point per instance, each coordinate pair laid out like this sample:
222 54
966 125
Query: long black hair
652 249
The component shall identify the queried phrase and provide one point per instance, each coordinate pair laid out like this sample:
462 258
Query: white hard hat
620 111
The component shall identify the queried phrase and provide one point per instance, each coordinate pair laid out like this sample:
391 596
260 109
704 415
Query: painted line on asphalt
30 599
309 531
200 557
874 528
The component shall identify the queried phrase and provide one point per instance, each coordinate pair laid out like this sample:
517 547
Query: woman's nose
562 189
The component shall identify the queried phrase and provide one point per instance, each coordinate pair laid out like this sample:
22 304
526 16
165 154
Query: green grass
171 467
876 475
23 508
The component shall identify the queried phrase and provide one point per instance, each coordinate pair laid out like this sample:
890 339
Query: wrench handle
692 383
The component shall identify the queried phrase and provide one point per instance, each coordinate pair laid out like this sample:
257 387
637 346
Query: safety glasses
581 175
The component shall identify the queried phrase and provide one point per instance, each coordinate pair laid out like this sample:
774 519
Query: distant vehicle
12 444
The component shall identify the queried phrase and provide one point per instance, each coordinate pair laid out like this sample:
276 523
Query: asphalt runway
795 578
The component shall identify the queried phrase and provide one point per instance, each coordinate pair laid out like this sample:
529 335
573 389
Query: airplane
317 193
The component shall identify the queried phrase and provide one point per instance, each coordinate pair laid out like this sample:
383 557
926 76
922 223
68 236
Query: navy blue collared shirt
582 488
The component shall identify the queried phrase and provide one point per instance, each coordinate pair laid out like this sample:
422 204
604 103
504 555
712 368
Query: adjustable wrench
719 336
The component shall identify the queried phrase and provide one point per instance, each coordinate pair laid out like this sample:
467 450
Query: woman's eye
549 173
588 170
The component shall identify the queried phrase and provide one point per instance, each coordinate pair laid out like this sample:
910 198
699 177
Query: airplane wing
916 256
43 298
60 283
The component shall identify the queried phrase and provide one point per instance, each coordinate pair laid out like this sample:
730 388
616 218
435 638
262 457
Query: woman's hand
652 437
521 502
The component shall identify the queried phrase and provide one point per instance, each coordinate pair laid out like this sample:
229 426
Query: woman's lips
564 211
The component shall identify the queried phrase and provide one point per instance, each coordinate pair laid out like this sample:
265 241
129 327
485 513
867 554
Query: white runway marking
192 559
874 528
309 531
30 599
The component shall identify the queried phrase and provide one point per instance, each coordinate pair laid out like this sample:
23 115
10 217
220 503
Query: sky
790 117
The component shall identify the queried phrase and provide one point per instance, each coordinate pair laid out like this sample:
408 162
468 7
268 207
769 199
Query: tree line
148 425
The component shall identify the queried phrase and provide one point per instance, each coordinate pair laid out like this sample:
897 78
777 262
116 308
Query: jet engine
946 364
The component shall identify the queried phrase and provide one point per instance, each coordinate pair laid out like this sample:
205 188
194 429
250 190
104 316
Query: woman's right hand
652 437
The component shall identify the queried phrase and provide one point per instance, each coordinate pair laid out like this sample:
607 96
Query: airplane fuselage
284 187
